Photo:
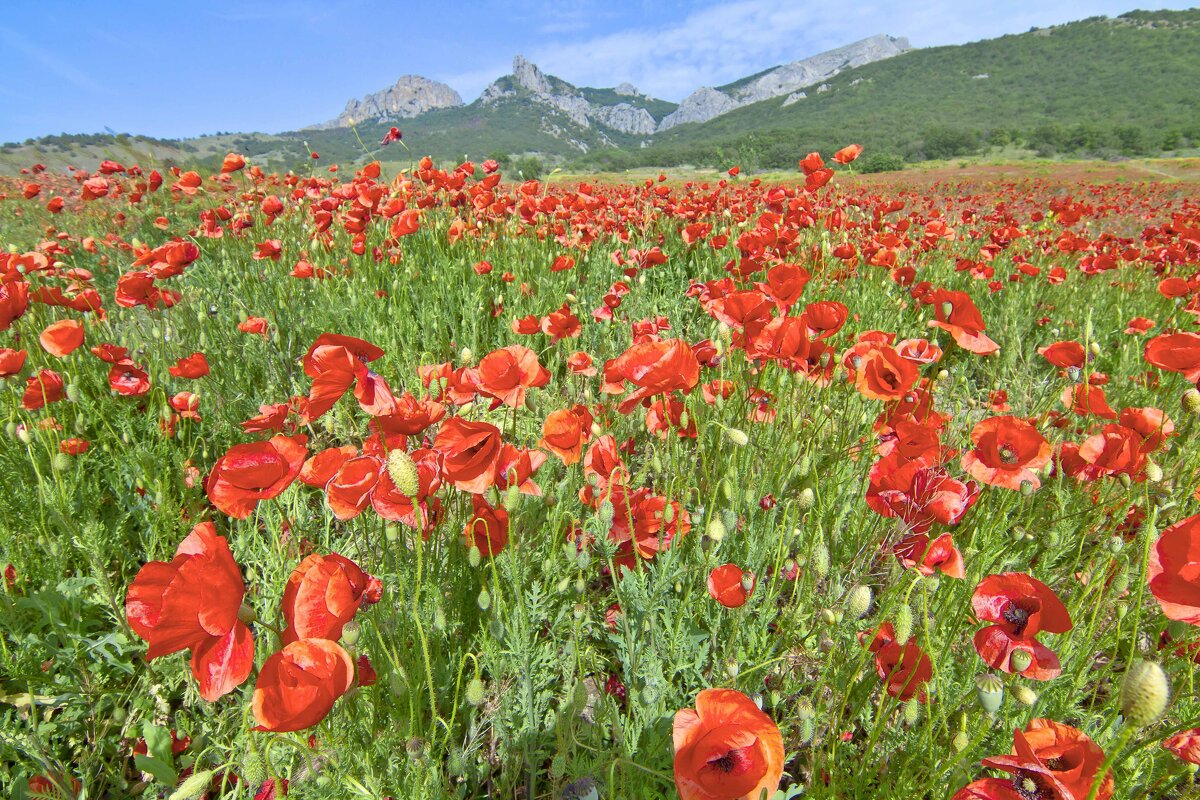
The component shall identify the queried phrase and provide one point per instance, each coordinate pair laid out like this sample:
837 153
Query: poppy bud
484 600
990 692
512 497
254 769
73 392
605 514
736 436
1024 695
350 632
829 616
820 560
960 741
807 729
465 356
858 602
943 374
580 585
403 472
716 528
1094 348
1144 693
1191 401
902 623
11 430
1019 661
912 711
475 692
474 556
1154 473
62 462
192 788
807 498
24 435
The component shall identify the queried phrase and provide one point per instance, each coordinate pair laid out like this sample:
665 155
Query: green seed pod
194 786
73 392
350 632
828 616
716 528
656 462
1144 693
902 623
512 498
456 763
1024 695
1019 661
858 602
738 437
804 708
474 556
1154 473
62 462
912 711
254 769
403 472
475 692
726 489
820 560
25 436
960 741
391 532
806 499
1191 401
11 430
805 467
732 668
605 515
439 619
807 729
989 690
1027 488
484 600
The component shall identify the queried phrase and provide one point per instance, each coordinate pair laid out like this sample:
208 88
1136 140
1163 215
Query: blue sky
174 69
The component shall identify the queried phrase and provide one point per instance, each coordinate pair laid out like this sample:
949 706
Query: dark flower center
1008 455
733 761
1032 787
1016 616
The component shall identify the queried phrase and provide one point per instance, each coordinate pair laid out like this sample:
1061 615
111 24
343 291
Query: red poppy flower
727 585
191 367
322 594
655 368
335 363
349 491
11 361
471 452
883 374
299 684
232 163
1049 760
74 446
848 153
1152 424
255 471
1174 571
581 364
508 373
1007 451
1176 352
254 325
1064 354
62 338
393 135
1086 400
14 299
905 669
940 555
726 749
565 432
1021 607
825 318
957 315
487 529
128 379
321 468
193 602
44 388
1185 745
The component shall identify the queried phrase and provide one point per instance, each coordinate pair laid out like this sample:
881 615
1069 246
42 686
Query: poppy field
431 482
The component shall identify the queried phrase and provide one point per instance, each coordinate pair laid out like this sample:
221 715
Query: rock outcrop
706 103
562 96
410 96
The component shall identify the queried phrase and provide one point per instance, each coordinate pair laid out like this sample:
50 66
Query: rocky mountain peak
409 96
529 76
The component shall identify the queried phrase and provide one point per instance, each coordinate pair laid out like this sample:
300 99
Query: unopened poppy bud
858 602
1094 348
512 497
820 560
11 430
1144 693
716 528
605 514
1154 473
804 467
807 498
1025 696
403 472
829 616
989 690
439 619
725 334
1191 401
597 430
738 437
807 729
683 420
960 741
1019 661
465 356
62 462
24 435
484 600
564 584
456 763
73 392
254 769
912 711
195 785
943 374
474 557
902 623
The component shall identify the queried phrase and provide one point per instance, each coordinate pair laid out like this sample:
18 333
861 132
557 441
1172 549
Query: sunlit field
432 482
